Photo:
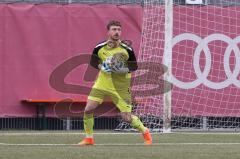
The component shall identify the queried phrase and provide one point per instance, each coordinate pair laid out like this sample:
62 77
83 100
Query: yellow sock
137 124
88 124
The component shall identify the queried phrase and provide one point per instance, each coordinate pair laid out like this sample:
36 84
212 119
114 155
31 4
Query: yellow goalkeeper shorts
122 99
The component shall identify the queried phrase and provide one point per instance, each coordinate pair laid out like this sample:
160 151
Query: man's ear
108 33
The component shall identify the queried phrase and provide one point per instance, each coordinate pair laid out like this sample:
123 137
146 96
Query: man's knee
126 117
91 105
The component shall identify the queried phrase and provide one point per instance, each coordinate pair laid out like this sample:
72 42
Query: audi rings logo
203 47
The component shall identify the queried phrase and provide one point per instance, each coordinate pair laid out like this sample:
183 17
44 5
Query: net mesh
205 64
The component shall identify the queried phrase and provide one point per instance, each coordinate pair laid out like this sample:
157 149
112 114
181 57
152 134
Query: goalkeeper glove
105 67
117 69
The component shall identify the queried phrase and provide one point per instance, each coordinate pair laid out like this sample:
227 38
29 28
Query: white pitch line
112 133
66 133
120 144
207 133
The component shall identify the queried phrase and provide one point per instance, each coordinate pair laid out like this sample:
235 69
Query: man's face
114 33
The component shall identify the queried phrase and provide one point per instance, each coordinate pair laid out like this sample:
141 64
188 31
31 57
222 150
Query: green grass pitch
62 145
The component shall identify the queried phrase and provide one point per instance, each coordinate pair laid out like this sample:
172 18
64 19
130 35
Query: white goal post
167 61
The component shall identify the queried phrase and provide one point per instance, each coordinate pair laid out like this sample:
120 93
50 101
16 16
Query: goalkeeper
116 61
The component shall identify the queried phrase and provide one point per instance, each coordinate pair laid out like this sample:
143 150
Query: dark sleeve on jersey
132 62
95 60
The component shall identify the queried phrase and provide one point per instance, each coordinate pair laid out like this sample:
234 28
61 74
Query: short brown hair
113 23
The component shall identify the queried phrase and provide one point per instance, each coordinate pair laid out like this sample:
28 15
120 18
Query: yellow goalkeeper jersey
112 81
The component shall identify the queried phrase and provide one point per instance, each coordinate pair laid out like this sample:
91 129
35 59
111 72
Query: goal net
200 45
